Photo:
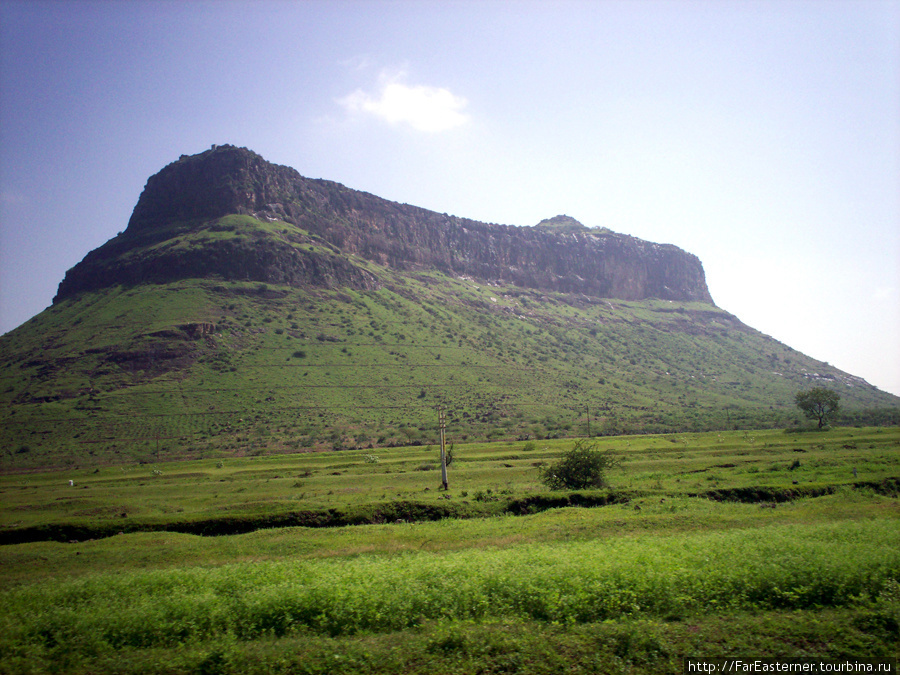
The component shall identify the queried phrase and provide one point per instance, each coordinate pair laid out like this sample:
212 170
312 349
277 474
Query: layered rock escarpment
193 193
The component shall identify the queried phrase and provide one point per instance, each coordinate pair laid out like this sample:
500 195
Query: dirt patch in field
761 494
411 512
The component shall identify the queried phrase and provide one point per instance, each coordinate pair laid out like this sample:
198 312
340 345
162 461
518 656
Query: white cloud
428 109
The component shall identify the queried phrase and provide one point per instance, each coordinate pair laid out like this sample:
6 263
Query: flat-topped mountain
246 309
302 231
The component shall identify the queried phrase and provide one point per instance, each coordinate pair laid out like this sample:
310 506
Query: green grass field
760 544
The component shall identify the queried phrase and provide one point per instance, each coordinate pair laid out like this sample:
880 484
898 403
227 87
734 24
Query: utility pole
442 425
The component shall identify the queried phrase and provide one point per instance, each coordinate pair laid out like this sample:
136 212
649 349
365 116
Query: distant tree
818 404
581 467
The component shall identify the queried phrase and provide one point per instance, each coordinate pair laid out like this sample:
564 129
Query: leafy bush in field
580 468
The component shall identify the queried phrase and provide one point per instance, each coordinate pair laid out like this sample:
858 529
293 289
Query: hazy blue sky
762 136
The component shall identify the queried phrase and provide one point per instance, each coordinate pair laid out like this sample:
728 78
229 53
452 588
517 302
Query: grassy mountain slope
205 366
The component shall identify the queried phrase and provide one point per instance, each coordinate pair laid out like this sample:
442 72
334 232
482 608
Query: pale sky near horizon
764 137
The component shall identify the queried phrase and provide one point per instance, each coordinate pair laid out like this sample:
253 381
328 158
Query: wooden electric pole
442 425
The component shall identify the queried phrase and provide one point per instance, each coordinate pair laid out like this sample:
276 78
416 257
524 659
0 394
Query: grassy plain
717 544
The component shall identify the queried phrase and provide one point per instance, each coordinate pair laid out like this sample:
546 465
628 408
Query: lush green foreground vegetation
718 544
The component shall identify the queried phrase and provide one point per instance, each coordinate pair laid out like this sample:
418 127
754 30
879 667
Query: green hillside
205 367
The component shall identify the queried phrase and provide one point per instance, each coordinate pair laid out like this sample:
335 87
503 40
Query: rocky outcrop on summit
216 183
559 254
266 260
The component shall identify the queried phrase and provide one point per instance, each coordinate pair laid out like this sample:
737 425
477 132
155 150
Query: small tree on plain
581 467
818 404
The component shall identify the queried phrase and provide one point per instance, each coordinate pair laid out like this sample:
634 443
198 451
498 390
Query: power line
274 387
249 412
382 365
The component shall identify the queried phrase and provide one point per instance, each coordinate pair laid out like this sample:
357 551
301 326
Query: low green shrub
580 468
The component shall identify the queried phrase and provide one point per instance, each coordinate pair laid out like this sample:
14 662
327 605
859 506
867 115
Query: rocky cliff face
190 194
